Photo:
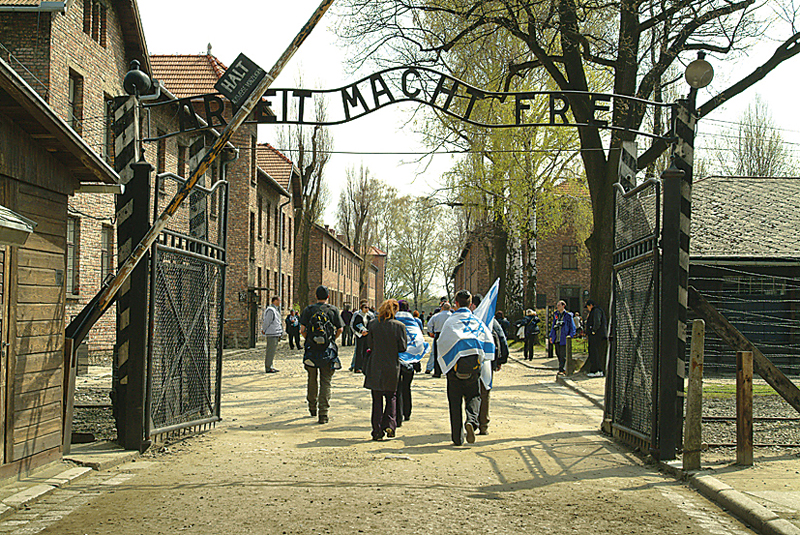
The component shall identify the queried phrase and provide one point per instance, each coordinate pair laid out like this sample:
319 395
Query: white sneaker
595 374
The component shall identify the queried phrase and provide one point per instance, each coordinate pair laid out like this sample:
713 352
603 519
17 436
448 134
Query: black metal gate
632 391
186 313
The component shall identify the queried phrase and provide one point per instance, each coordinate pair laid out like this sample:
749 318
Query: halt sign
240 80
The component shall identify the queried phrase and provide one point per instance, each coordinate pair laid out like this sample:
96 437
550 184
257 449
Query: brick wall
473 273
244 266
553 278
554 282
27 37
333 264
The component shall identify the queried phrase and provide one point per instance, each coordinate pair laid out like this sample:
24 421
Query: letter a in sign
239 80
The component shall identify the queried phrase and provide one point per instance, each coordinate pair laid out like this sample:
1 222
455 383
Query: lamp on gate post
699 74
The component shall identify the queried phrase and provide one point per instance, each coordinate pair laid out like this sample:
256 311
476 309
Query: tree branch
789 49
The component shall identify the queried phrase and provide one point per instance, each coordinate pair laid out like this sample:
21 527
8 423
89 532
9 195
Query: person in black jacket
386 339
531 324
595 328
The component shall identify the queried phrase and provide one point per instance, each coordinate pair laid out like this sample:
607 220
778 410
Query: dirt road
270 468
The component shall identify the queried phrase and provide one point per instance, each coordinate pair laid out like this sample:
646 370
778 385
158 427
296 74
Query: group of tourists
389 348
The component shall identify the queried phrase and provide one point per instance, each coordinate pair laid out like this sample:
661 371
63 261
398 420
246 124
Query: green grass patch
722 391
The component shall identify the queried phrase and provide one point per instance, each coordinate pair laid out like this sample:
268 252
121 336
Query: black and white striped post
677 184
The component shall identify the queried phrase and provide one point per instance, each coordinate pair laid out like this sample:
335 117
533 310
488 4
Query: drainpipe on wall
280 250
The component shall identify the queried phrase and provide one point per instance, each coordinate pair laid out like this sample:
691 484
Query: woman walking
386 339
409 360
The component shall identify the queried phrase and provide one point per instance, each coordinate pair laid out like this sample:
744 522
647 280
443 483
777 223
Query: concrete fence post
744 408
693 429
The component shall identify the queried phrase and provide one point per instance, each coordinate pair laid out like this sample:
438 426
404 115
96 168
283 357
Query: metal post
694 399
677 182
744 408
570 361
129 380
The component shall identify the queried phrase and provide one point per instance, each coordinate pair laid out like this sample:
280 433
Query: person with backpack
361 319
272 329
386 339
320 324
464 344
530 327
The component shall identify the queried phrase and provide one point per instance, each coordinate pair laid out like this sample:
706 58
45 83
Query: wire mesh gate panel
187 310
635 315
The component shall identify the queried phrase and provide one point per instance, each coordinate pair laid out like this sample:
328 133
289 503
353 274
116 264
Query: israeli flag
417 347
464 334
485 312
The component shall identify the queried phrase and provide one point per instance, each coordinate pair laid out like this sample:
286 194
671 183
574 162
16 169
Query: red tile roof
186 75
20 2
275 164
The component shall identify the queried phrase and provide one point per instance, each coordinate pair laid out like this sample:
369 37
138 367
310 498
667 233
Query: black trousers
561 353
595 353
437 370
470 391
361 353
294 339
530 341
404 394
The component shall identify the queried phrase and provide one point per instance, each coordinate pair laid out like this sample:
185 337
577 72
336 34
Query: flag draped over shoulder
417 347
485 312
464 334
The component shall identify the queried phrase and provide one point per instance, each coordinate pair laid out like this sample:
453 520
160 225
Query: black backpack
467 367
321 331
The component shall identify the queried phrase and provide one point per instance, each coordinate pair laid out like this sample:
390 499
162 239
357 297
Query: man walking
464 344
563 328
272 329
347 316
596 332
435 325
320 324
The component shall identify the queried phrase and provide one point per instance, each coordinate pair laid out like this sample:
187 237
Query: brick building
75 55
333 264
260 260
562 260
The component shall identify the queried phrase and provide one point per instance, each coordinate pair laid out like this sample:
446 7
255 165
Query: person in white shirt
272 329
434 329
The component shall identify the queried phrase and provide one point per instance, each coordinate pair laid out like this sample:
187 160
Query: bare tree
311 150
757 149
356 217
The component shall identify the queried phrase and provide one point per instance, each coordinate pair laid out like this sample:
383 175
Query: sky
263 29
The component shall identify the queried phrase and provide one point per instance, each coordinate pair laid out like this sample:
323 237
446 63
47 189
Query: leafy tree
634 41
416 248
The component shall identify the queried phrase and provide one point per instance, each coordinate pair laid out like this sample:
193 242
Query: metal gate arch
187 306
632 393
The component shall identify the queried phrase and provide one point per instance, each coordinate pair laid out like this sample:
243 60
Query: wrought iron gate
632 399
186 313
